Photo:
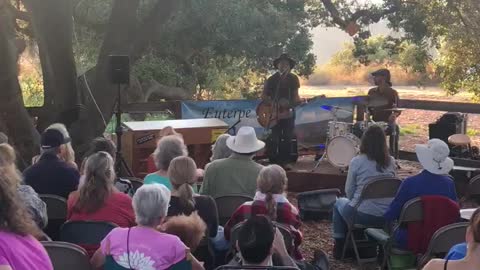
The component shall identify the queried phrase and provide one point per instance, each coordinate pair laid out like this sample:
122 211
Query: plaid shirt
287 215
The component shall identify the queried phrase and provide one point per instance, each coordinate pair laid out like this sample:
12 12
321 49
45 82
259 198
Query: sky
327 41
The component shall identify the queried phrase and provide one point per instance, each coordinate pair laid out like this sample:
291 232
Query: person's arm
5 267
98 259
295 95
280 249
267 90
351 182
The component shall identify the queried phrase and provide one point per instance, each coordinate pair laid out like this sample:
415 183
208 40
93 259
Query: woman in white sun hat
237 174
432 180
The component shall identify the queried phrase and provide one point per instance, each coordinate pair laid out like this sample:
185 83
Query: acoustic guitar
270 113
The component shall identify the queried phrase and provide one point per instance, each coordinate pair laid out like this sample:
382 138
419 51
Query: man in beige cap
237 174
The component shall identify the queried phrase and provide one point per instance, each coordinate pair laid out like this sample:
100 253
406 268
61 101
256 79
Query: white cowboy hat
434 156
245 142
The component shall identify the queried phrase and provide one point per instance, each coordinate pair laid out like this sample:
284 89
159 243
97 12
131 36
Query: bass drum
342 149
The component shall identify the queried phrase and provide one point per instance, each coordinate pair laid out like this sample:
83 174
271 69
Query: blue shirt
422 184
50 175
154 178
457 252
360 171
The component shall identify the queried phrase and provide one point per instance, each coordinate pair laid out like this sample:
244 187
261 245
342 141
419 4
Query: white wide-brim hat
245 141
434 156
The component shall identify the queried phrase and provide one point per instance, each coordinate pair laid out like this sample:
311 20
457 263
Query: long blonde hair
182 173
272 180
69 154
14 216
99 179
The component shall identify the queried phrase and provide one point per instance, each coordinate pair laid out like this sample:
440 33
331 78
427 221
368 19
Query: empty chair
67 256
227 205
56 212
443 240
87 234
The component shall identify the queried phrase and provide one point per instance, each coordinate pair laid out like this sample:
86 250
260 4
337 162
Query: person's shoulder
435 264
121 197
372 90
26 189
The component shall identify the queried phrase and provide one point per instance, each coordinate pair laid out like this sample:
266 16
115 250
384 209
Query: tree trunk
53 30
13 115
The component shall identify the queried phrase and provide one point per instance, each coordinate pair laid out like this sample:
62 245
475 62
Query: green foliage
32 90
213 48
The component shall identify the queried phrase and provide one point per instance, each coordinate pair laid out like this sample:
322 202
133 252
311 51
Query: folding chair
443 240
85 232
379 187
412 211
473 190
227 205
56 212
240 267
67 256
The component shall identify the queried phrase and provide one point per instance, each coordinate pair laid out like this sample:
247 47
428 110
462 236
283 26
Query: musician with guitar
279 98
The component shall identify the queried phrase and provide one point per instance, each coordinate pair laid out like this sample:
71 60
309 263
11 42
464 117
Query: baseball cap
52 138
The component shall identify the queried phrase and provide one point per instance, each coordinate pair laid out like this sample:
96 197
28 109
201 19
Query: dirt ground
317 235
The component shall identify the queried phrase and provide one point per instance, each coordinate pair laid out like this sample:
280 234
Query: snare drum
342 149
336 129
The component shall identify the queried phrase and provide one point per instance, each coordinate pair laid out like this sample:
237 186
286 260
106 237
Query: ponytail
182 173
185 193
271 206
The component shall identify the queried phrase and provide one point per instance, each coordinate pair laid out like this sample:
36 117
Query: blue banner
311 122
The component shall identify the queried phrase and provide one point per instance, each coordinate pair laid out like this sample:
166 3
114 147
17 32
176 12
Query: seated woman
97 199
472 258
433 180
158 250
220 149
103 144
270 200
168 148
166 131
35 206
19 248
182 174
374 160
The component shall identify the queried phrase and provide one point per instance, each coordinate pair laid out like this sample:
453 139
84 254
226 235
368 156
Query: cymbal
370 101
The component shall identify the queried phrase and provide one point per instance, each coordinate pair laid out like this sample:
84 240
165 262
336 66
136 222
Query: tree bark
13 115
53 30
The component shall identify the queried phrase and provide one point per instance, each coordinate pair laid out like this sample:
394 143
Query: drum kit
343 139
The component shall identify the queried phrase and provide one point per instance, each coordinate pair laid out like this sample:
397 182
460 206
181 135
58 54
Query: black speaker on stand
120 75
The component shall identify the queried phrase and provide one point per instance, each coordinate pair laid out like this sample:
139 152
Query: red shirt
117 209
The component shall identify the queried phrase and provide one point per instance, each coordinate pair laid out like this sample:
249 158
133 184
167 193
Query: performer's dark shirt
287 88
378 113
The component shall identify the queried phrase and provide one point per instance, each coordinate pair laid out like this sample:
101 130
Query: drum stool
461 141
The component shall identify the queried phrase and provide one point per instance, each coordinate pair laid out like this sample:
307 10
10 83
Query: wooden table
141 138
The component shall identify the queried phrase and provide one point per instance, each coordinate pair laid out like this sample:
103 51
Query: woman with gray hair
220 149
143 246
168 148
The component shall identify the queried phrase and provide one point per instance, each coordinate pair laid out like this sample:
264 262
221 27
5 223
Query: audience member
97 199
472 256
158 250
19 249
68 155
182 174
166 131
374 160
35 206
258 240
433 180
190 229
52 175
237 174
220 149
168 148
3 138
270 200
104 144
